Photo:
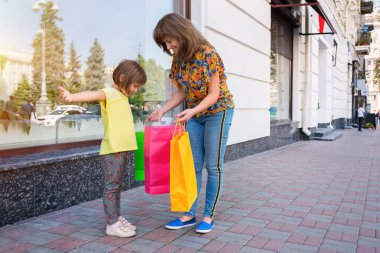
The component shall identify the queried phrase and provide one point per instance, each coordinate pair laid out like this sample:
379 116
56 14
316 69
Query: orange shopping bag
183 182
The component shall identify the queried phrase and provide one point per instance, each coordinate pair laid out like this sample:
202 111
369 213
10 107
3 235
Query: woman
198 72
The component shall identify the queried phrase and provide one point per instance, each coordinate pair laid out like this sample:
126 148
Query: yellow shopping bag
183 182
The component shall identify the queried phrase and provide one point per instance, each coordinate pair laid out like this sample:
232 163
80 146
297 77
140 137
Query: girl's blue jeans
208 139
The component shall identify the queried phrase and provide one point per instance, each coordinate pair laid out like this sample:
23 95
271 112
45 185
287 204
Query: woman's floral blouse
194 78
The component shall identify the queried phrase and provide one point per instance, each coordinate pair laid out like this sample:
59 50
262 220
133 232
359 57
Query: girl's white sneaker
119 230
126 223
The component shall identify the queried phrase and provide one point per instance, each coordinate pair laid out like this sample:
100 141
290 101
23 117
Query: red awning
315 5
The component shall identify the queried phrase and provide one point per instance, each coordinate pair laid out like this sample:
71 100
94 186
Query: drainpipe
307 86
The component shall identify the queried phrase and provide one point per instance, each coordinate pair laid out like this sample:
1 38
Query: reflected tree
73 81
54 55
155 86
152 91
22 93
95 68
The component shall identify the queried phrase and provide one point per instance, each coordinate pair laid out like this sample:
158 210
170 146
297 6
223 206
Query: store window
281 66
74 44
280 87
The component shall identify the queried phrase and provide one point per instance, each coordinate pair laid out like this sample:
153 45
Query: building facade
291 66
293 72
13 66
373 98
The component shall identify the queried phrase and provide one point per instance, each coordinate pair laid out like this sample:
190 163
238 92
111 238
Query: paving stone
352 205
371 225
281 200
84 236
4 240
197 239
318 217
93 231
234 211
287 219
297 248
98 247
372 213
247 249
65 244
338 246
353 216
237 238
273 234
299 208
43 224
269 210
368 241
81 250
41 238
311 231
254 222
180 242
344 228
43 250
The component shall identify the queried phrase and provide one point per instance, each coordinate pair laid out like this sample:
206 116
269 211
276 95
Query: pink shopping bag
157 158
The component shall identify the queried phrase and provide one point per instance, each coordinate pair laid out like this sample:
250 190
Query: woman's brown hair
128 72
177 27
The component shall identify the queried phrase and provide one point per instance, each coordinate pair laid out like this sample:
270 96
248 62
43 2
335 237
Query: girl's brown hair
177 27
128 72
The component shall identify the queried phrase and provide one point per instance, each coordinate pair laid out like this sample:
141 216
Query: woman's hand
155 115
65 95
186 115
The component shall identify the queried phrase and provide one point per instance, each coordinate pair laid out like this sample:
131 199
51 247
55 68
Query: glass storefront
281 65
280 87
74 44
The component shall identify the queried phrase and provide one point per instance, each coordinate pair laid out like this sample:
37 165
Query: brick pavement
306 197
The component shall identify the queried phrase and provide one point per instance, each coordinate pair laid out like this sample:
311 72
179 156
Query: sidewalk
311 196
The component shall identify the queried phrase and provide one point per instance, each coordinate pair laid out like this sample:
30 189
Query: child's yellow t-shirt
119 130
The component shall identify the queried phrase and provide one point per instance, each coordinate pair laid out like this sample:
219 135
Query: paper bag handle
178 125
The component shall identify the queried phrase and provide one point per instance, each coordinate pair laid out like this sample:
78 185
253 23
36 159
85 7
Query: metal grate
281 34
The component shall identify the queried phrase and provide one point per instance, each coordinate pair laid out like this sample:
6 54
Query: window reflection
84 42
280 87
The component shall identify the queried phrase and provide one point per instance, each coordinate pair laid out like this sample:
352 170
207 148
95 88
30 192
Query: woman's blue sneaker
177 223
204 227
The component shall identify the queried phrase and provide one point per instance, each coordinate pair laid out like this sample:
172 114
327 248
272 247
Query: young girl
119 137
198 72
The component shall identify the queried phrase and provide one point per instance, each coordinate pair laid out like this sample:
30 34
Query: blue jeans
208 139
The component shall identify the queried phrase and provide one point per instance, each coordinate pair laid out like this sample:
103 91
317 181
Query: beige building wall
15 65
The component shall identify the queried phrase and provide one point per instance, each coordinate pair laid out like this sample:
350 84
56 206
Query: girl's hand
155 116
65 95
186 115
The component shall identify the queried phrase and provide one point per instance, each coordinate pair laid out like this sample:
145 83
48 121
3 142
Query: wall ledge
38 159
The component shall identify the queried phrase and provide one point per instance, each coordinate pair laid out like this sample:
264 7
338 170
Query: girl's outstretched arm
84 96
